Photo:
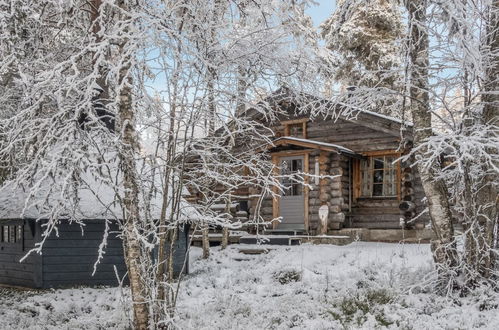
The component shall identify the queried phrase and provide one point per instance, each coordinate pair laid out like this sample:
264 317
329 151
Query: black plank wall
68 259
13 272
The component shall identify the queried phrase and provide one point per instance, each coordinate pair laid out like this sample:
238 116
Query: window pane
378 176
296 130
389 162
296 165
19 234
365 178
378 190
390 185
5 233
12 236
297 189
378 163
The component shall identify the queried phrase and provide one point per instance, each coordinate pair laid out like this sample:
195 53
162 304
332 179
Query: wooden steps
270 240
377 225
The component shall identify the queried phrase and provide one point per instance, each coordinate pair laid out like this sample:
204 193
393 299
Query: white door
292 202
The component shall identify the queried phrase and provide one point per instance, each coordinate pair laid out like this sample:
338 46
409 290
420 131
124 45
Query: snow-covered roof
379 115
331 146
285 93
95 200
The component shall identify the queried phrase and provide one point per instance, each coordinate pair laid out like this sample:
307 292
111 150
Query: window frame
359 175
12 234
296 122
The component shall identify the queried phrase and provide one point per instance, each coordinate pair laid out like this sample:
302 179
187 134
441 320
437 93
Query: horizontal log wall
351 135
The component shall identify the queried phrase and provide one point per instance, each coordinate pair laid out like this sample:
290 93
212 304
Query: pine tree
363 39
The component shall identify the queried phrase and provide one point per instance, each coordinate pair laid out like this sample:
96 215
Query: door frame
276 158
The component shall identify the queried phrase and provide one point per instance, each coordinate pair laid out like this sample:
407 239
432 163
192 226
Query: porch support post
336 215
306 194
324 195
275 199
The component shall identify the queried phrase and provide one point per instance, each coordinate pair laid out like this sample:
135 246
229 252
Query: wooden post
306 169
275 199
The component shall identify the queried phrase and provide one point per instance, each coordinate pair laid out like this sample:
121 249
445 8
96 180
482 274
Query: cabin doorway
292 201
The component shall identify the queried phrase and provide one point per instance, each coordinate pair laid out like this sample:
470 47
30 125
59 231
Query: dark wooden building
68 260
68 255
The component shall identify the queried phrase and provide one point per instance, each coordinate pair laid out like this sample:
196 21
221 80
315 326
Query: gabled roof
373 120
312 144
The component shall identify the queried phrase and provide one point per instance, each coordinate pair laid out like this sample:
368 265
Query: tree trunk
225 238
206 241
443 247
134 252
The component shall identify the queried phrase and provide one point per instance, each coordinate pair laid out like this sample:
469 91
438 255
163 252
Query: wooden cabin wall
346 181
351 135
13 272
314 201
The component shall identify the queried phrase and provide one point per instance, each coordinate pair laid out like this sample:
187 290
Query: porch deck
334 237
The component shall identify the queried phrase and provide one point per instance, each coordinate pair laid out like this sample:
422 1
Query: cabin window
11 234
378 177
296 128
291 168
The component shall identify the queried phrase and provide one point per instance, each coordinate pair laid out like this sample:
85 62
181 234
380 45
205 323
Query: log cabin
353 175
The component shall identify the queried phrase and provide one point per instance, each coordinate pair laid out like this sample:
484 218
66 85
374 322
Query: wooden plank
389 152
304 144
16 266
295 121
275 199
83 276
86 282
53 260
22 282
80 243
78 252
92 235
356 179
306 191
391 128
291 153
399 179
38 259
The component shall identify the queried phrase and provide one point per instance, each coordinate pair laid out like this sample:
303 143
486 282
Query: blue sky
322 11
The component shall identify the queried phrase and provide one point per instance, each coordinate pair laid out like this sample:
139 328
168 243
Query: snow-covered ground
358 286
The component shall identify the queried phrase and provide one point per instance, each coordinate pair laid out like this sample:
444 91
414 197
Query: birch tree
452 68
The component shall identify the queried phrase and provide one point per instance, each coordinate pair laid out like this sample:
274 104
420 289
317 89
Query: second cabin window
378 177
296 128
